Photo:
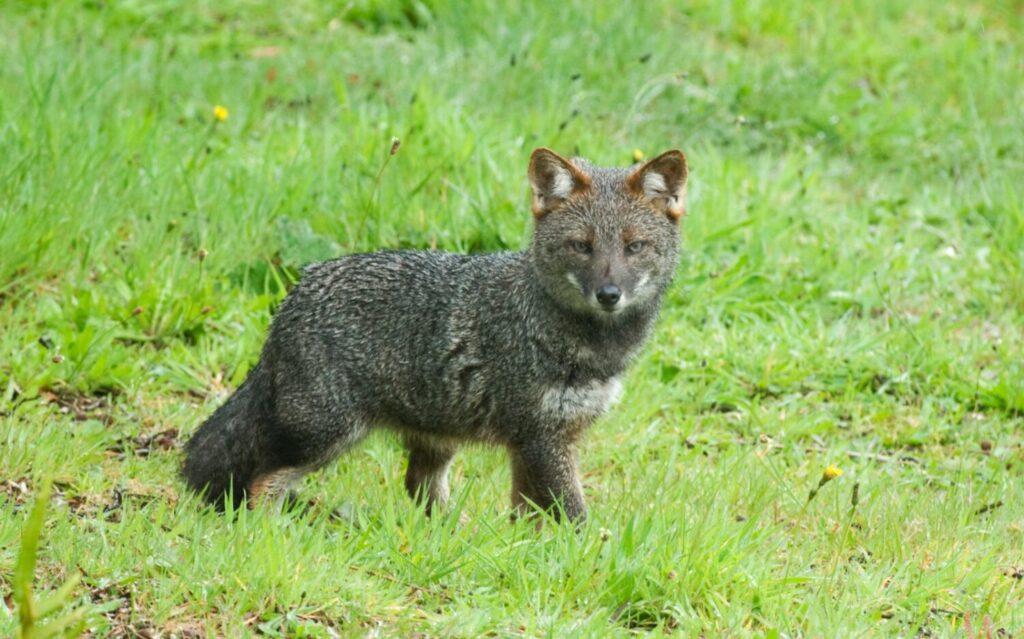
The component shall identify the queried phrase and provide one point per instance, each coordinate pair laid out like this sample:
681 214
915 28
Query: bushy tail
231 447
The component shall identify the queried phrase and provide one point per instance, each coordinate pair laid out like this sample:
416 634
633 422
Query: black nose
608 295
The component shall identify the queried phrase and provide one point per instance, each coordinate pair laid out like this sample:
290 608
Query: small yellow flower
220 113
831 472
638 155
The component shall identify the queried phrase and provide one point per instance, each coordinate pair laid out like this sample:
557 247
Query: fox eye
635 247
581 247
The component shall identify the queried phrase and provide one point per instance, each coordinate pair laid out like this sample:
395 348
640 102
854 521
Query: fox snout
610 282
598 294
608 296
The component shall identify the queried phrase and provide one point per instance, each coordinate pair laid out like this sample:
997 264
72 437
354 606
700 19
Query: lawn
851 294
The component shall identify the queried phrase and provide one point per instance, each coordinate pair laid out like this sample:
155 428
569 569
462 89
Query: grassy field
851 294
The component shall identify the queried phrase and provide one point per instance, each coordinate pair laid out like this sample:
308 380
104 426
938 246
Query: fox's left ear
662 182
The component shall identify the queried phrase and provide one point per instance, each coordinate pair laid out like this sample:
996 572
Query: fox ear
554 179
662 182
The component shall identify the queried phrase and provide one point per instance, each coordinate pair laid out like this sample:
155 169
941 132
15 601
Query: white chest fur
580 402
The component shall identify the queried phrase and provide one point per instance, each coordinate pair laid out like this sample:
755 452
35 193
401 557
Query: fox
522 350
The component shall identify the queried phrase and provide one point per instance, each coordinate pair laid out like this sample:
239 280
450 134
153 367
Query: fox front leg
548 476
426 478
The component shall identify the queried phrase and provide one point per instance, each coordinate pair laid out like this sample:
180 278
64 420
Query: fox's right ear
554 179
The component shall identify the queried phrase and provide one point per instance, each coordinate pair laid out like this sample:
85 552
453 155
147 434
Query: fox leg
274 487
426 478
298 449
546 474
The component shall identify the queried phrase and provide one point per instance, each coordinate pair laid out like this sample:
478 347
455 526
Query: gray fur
504 348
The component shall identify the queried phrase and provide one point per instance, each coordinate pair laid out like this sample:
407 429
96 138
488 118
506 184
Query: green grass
852 293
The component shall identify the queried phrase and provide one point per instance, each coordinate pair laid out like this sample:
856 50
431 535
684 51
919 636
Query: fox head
606 239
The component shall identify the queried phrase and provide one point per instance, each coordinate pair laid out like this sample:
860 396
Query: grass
851 293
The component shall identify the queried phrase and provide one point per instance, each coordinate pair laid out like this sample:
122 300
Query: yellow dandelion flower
220 113
831 473
638 155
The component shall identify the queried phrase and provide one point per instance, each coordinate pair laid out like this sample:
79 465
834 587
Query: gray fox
520 349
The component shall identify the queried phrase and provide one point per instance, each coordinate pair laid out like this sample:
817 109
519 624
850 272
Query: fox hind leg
274 487
299 450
